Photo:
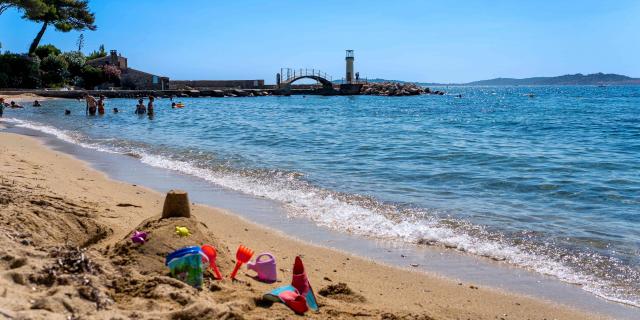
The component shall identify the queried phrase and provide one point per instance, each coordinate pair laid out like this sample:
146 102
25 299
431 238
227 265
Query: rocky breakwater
395 89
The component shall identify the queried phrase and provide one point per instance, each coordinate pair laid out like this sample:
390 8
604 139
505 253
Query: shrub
92 76
75 60
54 71
112 74
47 50
19 71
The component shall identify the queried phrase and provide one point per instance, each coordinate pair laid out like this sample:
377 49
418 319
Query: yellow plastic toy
182 231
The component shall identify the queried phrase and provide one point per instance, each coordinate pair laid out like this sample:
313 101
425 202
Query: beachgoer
67 112
150 105
140 109
101 105
91 105
115 110
14 105
1 106
173 105
37 104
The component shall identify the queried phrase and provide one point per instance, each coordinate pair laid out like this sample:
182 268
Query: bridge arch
325 82
289 76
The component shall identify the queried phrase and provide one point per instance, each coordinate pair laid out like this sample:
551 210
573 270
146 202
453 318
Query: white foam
328 210
64 135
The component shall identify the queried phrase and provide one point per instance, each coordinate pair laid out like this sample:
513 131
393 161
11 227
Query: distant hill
569 79
578 79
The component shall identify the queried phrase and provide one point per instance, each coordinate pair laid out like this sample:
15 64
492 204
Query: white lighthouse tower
349 59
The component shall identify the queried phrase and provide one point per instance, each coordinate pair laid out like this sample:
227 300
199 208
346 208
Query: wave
360 215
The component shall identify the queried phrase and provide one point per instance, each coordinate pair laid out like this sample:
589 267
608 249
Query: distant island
569 79
578 79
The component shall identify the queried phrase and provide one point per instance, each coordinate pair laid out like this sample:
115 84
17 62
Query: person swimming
101 105
14 105
173 105
115 110
37 104
140 108
91 105
67 112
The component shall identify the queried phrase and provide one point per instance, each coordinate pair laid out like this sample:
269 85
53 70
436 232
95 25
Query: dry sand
65 254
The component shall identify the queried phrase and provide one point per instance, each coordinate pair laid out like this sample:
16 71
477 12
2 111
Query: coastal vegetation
49 67
46 65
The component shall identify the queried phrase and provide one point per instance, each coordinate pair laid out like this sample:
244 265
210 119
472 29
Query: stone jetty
395 89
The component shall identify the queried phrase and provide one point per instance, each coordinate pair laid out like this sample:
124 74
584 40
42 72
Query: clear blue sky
441 41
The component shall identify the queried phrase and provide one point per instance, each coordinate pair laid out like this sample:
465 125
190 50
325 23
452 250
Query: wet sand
51 203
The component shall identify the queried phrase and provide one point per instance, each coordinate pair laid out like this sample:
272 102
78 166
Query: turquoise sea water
549 183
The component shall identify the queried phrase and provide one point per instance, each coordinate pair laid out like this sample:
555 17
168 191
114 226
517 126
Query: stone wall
139 80
212 84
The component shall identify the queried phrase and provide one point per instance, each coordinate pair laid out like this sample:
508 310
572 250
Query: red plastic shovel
211 253
243 255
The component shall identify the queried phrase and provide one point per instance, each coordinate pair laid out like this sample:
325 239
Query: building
131 78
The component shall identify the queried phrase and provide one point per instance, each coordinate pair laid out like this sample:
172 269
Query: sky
429 41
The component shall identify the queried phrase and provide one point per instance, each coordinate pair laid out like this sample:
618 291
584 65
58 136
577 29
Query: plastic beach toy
300 281
294 301
182 231
139 237
211 253
299 284
266 268
187 264
242 256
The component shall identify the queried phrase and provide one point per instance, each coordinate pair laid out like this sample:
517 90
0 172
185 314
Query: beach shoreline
412 292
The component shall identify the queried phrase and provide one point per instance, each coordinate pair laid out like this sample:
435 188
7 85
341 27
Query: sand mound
341 292
67 222
149 258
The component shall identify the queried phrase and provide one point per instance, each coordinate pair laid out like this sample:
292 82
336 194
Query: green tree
32 5
80 42
98 54
46 50
18 71
64 15
54 71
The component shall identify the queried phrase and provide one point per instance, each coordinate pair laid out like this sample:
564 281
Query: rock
217 93
392 89
176 204
240 93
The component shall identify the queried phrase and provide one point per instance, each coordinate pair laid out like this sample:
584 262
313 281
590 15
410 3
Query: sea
542 178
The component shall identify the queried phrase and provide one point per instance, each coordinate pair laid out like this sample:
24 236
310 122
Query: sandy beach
66 253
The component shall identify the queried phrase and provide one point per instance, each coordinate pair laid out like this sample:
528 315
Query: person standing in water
150 106
101 105
140 109
1 106
91 105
